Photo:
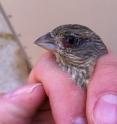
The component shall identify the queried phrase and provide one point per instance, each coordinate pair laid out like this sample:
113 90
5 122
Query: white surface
33 18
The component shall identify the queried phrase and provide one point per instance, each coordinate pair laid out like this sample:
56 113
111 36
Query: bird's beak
47 42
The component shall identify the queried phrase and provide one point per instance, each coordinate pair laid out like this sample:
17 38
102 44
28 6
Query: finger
102 92
67 100
18 107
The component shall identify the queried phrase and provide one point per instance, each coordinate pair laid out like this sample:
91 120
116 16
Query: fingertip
28 97
20 106
46 56
108 59
45 59
104 81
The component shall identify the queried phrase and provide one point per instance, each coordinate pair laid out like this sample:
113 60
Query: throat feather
80 72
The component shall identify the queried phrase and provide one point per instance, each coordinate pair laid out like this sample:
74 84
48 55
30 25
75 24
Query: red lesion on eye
66 45
68 41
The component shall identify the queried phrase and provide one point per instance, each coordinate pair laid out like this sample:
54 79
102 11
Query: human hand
20 106
68 102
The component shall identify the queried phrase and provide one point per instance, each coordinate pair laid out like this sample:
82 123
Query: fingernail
80 120
105 111
25 90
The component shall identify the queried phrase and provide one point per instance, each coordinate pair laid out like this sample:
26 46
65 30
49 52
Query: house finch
76 48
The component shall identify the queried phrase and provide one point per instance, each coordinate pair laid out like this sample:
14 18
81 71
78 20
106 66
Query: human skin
69 103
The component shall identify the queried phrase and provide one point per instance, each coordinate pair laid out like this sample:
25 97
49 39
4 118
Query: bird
77 49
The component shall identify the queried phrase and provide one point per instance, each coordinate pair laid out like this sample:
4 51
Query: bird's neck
80 70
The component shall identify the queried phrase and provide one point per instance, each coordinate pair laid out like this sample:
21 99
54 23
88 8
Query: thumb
18 107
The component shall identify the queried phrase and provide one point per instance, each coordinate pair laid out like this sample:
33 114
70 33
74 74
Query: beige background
32 18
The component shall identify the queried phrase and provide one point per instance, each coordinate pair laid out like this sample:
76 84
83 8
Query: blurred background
33 18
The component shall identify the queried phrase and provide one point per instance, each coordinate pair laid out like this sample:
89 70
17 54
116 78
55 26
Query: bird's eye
69 41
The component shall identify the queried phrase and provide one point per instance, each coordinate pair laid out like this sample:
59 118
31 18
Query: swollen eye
69 41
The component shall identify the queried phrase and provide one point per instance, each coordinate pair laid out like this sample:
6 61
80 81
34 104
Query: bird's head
73 42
